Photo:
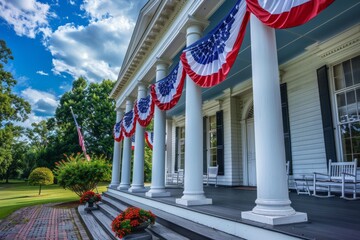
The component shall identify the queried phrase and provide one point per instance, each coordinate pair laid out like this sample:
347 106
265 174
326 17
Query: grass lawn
17 194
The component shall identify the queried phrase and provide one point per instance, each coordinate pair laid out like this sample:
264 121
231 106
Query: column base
114 185
193 201
123 187
154 194
137 189
275 220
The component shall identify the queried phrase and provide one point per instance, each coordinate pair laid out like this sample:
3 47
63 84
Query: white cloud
41 102
72 2
32 118
42 73
27 17
95 51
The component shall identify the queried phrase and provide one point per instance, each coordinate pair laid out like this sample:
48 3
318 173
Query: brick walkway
43 222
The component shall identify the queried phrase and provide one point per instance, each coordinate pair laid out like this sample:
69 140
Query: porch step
112 208
92 225
185 229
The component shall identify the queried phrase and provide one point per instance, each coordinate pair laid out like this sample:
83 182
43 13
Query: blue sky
56 41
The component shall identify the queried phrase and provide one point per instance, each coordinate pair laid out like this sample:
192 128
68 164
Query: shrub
79 175
41 176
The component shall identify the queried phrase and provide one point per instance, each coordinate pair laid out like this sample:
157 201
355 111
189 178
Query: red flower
127 221
90 196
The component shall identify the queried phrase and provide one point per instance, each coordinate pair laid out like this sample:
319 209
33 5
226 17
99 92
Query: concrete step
183 227
96 232
112 208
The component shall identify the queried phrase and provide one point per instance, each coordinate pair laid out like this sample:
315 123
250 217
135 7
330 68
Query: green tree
41 176
95 114
12 109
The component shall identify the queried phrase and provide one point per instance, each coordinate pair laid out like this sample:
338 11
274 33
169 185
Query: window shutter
220 141
327 121
176 148
204 146
286 125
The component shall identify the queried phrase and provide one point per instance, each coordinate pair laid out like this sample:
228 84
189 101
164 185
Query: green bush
79 175
41 176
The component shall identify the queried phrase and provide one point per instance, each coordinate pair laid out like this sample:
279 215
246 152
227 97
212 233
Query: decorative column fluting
157 188
115 174
272 203
193 180
126 159
138 166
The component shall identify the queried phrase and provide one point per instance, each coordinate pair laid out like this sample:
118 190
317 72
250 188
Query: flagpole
81 138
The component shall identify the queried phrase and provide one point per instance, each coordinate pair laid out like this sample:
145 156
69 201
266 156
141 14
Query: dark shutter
220 141
327 121
176 148
204 146
286 124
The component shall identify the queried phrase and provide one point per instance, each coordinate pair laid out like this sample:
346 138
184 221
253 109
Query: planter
90 206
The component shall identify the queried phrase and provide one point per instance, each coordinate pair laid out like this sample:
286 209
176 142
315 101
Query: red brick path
42 222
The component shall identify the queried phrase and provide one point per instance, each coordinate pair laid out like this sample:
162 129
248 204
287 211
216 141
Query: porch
329 218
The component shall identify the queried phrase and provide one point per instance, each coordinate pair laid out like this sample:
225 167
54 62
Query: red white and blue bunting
118 134
129 123
149 139
209 60
285 13
144 110
167 92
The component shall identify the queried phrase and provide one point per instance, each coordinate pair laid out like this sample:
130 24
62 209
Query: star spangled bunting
285 13
129 123
167 92
118 134
144 110
132 142
209 60
149 139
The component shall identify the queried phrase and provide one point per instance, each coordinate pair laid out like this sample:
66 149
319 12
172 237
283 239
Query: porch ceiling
290 43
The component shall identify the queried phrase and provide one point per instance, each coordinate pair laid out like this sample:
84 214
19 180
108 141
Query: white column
193 180
115 174
272 203
138 167
126 159
157 188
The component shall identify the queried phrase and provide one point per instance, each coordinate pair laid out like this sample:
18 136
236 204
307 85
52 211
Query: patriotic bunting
129 123
132 142
144 110
167 92
118 134
209 60
149 139
285 13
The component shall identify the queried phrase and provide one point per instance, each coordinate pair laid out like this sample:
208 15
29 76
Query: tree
95 114
12 109
41 176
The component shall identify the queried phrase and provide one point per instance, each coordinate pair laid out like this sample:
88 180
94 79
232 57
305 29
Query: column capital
198 22
162 63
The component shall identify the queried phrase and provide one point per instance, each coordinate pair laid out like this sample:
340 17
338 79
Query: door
251 158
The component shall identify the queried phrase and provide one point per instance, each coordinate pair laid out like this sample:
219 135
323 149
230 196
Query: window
212 140
181 148
347 97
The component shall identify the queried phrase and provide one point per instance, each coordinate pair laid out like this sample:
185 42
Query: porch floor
329 218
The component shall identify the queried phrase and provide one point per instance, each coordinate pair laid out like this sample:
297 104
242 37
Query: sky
56 41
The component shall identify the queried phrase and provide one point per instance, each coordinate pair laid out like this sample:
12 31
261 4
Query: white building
317 117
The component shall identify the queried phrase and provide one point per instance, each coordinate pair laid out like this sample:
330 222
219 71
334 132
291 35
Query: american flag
149 139
144 110
167 92
209 60
81 138
285 13
118 134
129 123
